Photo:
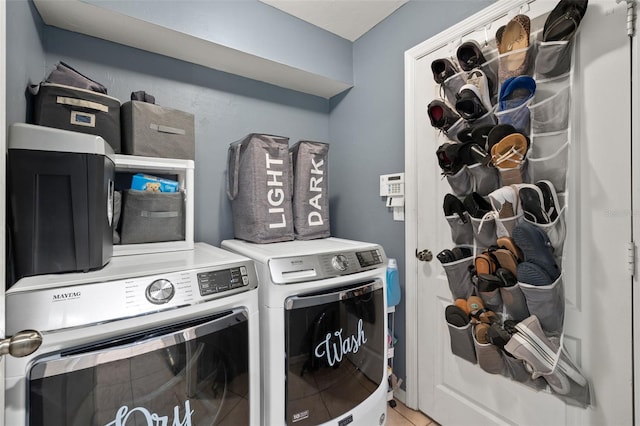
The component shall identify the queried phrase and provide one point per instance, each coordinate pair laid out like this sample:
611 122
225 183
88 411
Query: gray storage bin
151 130
151 217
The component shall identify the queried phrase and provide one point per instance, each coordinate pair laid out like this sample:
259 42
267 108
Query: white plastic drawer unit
177 169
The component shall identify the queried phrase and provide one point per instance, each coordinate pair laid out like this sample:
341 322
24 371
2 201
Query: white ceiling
347 18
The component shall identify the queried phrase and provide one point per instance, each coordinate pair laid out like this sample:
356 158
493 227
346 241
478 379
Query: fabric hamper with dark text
259 187
310 190
79 110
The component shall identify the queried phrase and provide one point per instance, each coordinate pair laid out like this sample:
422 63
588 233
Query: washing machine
152 339
323 331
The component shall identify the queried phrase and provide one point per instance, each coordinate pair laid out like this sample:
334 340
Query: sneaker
515 91
441 115
532 274
533 203
505 201
470 55
442 69
456 316
448 158
549 199
452 206
476 205
536 248
474 98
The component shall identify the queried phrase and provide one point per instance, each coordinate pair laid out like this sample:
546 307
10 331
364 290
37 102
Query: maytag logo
59 297
300 416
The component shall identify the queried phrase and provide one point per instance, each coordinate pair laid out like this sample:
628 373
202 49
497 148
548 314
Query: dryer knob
340 262
160 291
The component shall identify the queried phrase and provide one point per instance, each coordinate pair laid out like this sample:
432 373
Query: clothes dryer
163 338
323 331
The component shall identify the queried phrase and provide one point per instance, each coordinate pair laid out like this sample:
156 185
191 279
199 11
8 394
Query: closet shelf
95 21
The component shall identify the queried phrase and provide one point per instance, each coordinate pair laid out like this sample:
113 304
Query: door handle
22 344
424 255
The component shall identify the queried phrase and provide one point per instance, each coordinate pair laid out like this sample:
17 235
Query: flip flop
510 152
514 37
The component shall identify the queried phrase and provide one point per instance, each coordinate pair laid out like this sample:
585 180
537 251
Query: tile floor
401 415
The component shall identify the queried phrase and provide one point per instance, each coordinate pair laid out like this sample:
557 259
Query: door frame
3 150
411 57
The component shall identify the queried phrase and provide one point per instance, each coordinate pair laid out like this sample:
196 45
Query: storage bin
149 217
79 110
152 130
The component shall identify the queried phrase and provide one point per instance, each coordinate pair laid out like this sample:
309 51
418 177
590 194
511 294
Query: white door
597 277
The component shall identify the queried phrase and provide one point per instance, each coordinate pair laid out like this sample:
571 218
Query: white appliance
323 331
163 338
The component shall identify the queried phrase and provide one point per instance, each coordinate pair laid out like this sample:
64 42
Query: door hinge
631 258
631 16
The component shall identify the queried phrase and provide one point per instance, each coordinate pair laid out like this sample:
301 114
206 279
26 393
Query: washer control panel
212 282
160 291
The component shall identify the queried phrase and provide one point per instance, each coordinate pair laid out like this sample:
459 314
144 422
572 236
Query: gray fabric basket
151 217
259 187
154 131
310 161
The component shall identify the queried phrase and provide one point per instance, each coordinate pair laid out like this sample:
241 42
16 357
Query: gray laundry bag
259 187
310 190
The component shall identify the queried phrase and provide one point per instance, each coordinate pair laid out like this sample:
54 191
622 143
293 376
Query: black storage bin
152 217
151 130
80 110
61 200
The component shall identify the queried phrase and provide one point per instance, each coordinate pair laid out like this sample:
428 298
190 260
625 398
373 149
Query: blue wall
364 125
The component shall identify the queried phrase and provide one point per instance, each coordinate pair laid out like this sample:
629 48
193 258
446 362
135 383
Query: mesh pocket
553 58
556 231
518 117
550 107
504 226
460 182
452 133
514 175
462 342
515 63
546 303
461 229
485 179
459 277
552 168
547 144
489 357
484 232
452 85
514 302
492 300
516 370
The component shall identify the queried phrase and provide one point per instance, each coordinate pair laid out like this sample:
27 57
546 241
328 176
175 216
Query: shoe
470 55
453 206
549 199
485 263
498 335
510 152
462 304
488 283
481 332
515 91
505 201
514 36
478 313
476 205
536 248
563 21
460 253
448 158
506 260
509 244
446 256
532 274
469 103
508 279
497 133
533 203
441 115
456 316
442 69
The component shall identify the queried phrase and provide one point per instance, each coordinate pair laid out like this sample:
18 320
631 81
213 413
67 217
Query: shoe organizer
517 370
549 112
552 168
452 133
462 342
556 231
461 229
505 225
514 303
460 183
485 179
547 303
519 117
452 85
484 232
546 144
553 58
515 63
489 356
492 300
459 277
514 175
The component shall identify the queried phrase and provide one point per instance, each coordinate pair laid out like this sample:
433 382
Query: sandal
510 38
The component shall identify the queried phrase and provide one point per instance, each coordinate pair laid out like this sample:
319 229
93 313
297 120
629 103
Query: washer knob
160 291
340 262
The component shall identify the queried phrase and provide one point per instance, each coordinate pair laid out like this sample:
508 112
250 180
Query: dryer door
335 351
190 373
